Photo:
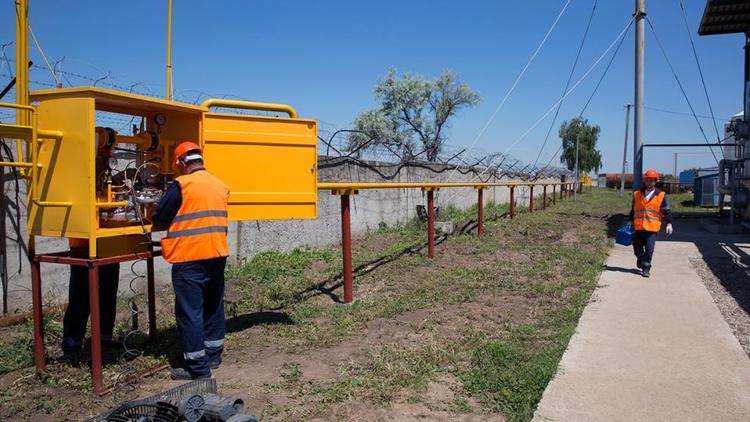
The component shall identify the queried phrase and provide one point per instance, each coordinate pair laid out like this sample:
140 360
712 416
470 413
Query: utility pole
640 45
575 185
625 149
169 50
674 169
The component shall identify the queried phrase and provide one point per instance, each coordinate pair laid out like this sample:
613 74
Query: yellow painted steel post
169 50
23 117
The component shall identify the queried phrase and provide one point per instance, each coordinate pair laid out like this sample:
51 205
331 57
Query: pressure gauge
160 119
112 163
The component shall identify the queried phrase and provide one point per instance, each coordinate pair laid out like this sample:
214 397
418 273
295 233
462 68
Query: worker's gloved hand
669 229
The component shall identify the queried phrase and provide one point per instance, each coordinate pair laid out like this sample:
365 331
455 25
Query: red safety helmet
651 174
183 149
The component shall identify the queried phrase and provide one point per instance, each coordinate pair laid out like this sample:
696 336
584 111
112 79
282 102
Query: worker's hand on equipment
669 230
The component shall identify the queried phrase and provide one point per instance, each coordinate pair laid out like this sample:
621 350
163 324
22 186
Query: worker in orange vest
194 208
648 211
77 312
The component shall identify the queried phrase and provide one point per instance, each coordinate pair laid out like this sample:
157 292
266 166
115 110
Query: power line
682 113
700 70
518 78
619 38
682 89
44 56
596 89
567 83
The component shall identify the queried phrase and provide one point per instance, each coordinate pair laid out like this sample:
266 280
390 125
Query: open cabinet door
269 163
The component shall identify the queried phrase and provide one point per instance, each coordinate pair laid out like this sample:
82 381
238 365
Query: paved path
653 349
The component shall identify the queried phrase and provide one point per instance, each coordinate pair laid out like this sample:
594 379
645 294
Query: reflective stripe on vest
199 230
647 214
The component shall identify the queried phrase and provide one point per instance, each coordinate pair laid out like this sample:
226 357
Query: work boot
72 358
181 374
214 363
646 272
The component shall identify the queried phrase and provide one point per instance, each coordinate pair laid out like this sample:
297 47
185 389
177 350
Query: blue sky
325 58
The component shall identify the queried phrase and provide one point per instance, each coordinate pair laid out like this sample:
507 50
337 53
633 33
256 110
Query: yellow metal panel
116 101
121 245
270 164
67 167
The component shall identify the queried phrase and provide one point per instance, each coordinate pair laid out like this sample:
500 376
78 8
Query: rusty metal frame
93 265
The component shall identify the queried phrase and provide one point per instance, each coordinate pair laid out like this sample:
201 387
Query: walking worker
77 311
646 214
194 208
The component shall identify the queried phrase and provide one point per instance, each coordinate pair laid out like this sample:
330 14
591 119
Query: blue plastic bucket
624 235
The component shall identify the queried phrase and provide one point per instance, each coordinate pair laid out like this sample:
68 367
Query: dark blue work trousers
199 308
77 312
643 246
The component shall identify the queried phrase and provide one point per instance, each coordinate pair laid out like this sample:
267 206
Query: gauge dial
160 119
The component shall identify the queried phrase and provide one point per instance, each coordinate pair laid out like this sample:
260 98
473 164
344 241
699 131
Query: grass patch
271 279
683 203
506 367
500 355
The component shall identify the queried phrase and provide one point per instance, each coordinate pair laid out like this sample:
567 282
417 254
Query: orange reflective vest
647 214
199 230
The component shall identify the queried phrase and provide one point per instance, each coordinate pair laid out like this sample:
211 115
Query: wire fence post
512 202
531 198
346 249
480 212
430 222
544 197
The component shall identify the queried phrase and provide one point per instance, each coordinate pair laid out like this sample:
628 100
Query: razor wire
389 158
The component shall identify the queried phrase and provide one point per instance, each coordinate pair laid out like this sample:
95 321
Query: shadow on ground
621 269
727 256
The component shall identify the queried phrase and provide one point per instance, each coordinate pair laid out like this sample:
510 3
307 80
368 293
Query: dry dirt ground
474 334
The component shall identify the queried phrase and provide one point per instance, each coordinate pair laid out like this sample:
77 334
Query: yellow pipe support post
251 105
23 118
34 160
169 50
48 134
111 204
15 164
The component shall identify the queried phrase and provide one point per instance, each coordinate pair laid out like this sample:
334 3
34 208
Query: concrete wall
369 208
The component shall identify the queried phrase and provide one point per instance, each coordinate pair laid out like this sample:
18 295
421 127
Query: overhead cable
682 89
567 83
682 113
593 93
518 78
44 56
570 91
700 69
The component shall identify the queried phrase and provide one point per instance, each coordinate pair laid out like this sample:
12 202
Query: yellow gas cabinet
99 184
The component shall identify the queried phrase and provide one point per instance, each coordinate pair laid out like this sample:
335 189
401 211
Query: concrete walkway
653 349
